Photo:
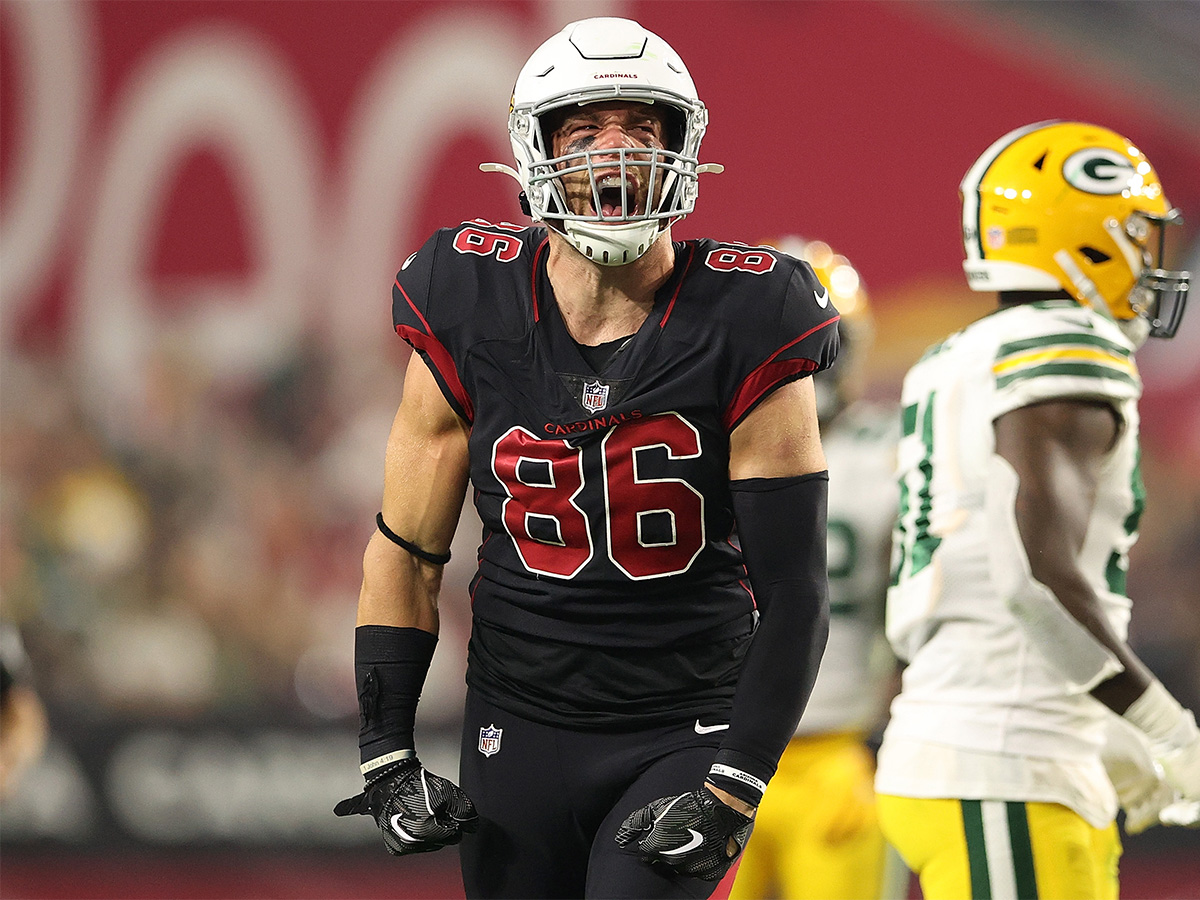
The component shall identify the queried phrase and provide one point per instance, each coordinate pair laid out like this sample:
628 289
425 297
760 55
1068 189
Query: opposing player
1020 499
616 399
816 834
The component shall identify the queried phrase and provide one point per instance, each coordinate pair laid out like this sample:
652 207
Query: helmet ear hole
676 129
1094 256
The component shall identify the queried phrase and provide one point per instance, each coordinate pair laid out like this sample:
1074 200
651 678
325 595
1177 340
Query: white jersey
983 713
860 446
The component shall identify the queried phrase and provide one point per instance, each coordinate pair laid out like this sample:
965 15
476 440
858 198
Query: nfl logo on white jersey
489 740
595 396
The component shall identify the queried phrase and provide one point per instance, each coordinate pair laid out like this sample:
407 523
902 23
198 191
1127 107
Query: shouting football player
616 399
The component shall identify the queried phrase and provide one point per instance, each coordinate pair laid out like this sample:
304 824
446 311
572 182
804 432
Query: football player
1020 499
816 834
615 399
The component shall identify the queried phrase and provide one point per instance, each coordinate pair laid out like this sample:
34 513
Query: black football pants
550 801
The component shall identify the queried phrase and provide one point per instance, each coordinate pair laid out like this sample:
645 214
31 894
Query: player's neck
603 303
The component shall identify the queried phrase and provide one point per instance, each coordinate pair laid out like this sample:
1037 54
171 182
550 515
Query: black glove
690 833
416 810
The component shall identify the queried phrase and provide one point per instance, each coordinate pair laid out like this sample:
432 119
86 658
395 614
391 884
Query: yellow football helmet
1074 207
843 382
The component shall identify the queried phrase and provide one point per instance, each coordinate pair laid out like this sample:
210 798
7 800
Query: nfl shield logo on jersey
489 740
595 396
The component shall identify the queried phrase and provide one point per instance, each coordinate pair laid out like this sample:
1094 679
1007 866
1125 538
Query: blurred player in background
615 399
1020 499
816 834
22 717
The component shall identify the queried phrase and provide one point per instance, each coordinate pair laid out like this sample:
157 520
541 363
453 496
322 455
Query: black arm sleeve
781 526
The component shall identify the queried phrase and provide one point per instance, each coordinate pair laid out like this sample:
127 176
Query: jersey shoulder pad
774 317
764 291
1058 349
444 283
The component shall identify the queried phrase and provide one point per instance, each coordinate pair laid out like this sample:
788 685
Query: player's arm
425 479
1057 450
779 485
424 483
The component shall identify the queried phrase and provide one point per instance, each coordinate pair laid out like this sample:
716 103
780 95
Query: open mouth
609 191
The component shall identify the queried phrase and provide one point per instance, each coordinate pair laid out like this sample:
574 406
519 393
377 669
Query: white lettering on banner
227 90
53 799
168 787
212 89
52 43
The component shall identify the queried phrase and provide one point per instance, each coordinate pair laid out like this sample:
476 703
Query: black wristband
390 665
438 559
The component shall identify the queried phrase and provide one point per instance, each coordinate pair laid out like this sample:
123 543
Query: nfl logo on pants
489 740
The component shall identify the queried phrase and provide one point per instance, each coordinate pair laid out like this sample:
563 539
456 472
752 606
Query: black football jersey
607 585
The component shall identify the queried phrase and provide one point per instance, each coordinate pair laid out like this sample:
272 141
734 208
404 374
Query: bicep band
438 559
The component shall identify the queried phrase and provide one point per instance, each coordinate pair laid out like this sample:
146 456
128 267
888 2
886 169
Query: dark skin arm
1057 449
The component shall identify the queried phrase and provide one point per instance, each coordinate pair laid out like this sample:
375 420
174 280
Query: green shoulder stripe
1097 370
1071 338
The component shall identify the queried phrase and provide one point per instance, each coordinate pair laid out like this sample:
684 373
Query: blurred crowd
203 562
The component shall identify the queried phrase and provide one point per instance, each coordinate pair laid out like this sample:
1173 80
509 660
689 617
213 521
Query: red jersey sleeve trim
438 355
768 376
533 277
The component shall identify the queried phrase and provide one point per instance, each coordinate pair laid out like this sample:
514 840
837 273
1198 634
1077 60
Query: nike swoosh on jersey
709 729
695 842
822 299
399 829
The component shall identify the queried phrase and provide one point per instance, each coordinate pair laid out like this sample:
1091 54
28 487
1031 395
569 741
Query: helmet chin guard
611 245
595 61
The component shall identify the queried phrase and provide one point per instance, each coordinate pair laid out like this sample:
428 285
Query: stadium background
202 206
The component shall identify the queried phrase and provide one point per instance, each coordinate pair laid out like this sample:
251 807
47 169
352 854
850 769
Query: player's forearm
1072 590
398 588
782 527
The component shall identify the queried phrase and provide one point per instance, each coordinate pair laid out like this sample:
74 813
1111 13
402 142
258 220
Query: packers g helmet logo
1096 170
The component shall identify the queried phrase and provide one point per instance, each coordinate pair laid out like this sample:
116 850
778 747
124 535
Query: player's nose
613 135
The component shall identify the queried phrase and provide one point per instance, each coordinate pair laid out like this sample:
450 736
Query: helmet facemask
629 194
596 61
1158 295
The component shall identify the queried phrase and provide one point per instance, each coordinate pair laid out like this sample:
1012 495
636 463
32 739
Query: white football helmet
592 61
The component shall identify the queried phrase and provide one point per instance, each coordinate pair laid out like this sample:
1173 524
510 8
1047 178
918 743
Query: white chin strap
611 245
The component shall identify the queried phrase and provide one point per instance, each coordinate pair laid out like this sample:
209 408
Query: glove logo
399 829
695 842
489 740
